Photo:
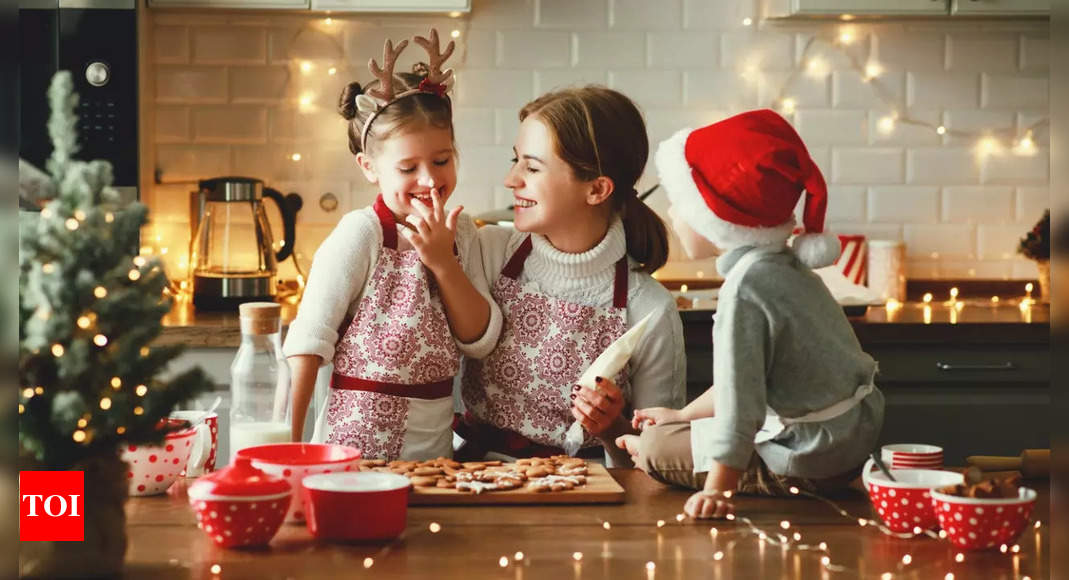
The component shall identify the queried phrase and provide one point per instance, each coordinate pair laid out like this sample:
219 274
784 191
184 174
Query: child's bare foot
629 443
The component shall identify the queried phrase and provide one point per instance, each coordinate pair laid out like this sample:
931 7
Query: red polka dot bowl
973 523
295 461
906 503
151 469
240 505
356 507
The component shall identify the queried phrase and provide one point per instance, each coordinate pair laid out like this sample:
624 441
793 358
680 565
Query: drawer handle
1006 366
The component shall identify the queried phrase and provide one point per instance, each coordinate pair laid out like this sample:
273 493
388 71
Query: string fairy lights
992 142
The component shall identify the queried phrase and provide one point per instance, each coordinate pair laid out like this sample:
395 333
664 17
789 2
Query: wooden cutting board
600 488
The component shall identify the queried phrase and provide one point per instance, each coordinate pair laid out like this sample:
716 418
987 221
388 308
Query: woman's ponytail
646 234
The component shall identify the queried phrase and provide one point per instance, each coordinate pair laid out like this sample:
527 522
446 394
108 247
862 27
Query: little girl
389 298
570 279
793 393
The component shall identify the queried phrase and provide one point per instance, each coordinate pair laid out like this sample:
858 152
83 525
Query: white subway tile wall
256 93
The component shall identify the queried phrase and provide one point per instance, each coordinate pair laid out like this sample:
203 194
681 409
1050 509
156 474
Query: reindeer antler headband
437 81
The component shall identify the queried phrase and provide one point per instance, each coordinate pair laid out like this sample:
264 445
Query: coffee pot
232 258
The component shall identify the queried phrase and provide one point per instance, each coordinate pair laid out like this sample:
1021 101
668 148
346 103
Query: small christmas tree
1035 244
89 309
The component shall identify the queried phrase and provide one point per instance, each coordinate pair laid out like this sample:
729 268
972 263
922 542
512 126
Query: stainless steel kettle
232 258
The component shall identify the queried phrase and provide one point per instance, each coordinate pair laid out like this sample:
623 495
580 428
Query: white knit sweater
658 367
342 266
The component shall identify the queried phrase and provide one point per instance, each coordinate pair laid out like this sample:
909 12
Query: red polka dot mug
151 469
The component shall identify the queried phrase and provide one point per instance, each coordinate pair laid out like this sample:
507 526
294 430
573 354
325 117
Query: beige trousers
664 454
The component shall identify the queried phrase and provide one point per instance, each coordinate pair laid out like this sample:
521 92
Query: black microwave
96 40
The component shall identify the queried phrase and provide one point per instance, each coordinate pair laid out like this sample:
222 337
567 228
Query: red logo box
51 506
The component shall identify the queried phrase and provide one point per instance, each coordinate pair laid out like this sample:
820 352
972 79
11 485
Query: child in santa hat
793 401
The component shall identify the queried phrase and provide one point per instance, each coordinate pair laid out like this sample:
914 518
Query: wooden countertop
205 329
976 321
164 543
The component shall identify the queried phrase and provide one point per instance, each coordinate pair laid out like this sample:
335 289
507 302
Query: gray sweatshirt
784 343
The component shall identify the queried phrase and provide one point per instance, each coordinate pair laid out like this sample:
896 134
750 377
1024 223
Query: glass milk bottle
259 381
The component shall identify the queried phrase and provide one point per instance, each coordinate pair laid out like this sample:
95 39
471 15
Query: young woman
571 278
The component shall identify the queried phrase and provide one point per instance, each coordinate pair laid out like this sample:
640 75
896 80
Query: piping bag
610 362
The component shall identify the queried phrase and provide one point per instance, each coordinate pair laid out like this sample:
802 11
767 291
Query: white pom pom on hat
738 181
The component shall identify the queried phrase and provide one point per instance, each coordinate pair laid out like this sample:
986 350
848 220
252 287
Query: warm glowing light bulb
84 322
435 527
886 125
651 566
455 33
332 71
306 66
503 561
141 390
100 291
79 436
368 562
846 36
71 223
100 340
518 556
57 350
577 556
116 382
747 21
872 70
941 130
105 403
927 297
788 105
295 157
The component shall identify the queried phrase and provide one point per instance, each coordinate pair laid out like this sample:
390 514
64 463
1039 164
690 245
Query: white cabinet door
1001 7
394 5
919 7
249 4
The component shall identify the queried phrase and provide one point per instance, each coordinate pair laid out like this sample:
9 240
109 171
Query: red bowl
906 503
357 506
233 522
294 461
973 523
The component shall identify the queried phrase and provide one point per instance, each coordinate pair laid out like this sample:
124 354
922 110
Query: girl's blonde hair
409 113
599 131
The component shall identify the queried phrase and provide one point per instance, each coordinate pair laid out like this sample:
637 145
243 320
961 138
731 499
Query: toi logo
51 506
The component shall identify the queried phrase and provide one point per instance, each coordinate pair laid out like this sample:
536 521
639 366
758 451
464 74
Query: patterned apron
391 391
701 430
517 398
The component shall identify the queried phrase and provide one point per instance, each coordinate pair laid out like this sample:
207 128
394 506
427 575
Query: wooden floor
164 542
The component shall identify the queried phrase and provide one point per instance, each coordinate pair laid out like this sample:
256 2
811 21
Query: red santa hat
738 181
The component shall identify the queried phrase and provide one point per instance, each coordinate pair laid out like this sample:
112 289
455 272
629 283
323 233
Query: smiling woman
571 278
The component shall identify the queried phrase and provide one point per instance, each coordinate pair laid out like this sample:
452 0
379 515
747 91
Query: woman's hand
655 416
709 505
597 409
434 233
